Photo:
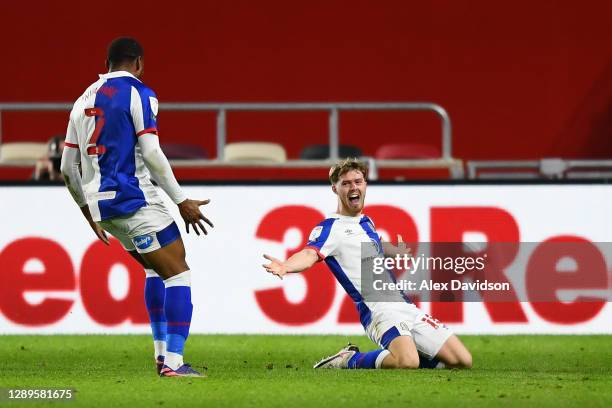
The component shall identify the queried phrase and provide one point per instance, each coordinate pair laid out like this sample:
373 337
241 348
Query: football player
408 337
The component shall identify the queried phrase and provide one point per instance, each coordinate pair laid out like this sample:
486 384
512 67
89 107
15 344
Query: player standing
112 137
403 332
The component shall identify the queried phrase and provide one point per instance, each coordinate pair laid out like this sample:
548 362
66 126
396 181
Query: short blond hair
346 165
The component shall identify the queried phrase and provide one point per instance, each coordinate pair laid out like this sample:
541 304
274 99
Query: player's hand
100 233
275 267
392 250
190 211
401 245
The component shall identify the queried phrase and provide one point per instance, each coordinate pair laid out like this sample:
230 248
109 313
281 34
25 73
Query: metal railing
222 109
547 168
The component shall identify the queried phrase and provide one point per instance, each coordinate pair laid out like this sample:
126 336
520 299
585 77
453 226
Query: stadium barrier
453 166
551 168
57 278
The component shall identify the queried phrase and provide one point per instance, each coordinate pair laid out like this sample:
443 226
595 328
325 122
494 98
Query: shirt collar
117 74
347 217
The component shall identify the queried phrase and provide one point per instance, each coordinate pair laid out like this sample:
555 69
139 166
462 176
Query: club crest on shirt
143 241
316 233
154 106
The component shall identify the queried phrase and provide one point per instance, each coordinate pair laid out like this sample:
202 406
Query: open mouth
354 198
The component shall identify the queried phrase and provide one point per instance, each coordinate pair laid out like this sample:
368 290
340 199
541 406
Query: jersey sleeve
72 139
323 239
144 107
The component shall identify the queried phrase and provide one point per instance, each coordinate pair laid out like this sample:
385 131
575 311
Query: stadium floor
265 371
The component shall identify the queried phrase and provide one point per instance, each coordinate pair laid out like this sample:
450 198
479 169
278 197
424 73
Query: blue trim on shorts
389 336
168 235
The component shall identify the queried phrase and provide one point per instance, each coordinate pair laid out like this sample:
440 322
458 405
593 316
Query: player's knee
181 266
170 272
465 360
175 266
461 360
407 361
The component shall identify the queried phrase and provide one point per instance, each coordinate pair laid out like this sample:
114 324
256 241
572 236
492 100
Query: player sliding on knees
408 338
112 137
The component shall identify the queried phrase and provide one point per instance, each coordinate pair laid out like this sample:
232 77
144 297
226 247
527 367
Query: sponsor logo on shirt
143 241
104 195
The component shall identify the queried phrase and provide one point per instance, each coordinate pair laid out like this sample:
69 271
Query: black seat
321 152
183 151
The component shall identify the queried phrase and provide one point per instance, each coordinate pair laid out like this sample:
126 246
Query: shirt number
93 148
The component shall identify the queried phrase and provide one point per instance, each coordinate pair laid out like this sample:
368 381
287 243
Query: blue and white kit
112 135
338 241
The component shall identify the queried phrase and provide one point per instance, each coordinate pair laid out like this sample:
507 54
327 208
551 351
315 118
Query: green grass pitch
276 371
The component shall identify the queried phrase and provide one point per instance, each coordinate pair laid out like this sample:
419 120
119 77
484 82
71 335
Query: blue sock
364 360
155 292
178 310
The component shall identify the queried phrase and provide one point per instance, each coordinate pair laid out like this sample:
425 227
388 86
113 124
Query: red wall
520 79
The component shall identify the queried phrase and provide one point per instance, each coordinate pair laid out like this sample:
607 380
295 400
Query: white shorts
146 230
405 319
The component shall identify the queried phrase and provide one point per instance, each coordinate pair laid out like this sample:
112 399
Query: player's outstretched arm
160 169
296 263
